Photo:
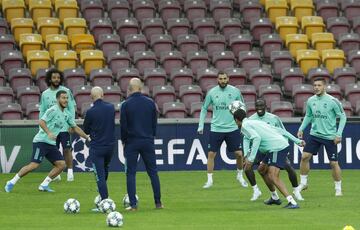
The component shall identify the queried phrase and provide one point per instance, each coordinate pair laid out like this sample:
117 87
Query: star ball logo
81 155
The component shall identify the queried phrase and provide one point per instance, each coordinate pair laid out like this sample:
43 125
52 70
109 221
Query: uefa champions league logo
80 155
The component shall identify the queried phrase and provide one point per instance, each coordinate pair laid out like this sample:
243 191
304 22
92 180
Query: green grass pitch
187 206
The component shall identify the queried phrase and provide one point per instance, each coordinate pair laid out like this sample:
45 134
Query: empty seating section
271 49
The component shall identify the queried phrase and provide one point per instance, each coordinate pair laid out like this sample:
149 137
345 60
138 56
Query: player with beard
54 79
44 143
223 126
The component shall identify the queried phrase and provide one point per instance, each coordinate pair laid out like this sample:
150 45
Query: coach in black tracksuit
138 122
100 124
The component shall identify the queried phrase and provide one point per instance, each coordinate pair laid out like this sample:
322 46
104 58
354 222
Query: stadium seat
334 90
350 8
29 42
249 60
38 59
319 72
123 77
74 77
352 93
333 59
169 9
163 94
204 26
260 76
301 8
171 60
286 25
194 9
250 107
10 60
143 9
207 77
280 60
347 108
290 77
295 42
47 26
80 42
40 79
337 26
85 107
180 77
240 42
237 76
174 110
356 25
66 9
344 76
21 26
118 9
301 93
32 111
6 95
100 26
229 27
327 9
214 43
152 26
259 27
270 93
177 27
82 95
74 26
190 94
4 26
39 9
127 26
19 77
354 60
357 108
307 59
10 111
2 78
65 59
312 24
196 60
270 43
143 60
195 110
282 108
348 42
109 43
117 107
223 60
187 42
248 92
322 41
220 9
135 43
251 10
92 9
91 59
112 93
27 94
55 42
7 42
154 77
13 9
117 60
276 8
161 43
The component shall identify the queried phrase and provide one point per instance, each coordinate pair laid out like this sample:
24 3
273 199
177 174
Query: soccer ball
126 201
235 105
97 201
107 205
72 206
348 227
114 219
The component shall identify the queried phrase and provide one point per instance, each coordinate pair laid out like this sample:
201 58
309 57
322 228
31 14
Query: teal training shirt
268 118
222 120
321 112
260 136
48 99
55 120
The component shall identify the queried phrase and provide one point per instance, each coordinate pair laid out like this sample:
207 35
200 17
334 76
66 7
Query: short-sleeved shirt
55 120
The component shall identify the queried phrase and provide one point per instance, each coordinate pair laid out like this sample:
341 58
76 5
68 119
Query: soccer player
223 127
270 140
44 142
54 79
273 120
322 110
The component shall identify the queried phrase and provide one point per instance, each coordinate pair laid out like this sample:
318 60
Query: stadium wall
178 147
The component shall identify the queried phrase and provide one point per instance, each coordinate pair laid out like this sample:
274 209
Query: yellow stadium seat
39 9
38 59
13 9
301 8
30 42
333 58
21 26
81 42
91 59
322 41
276 8
296 42
74 26
55 42
286 25
66 9
48 26
307 59
65 59
312 24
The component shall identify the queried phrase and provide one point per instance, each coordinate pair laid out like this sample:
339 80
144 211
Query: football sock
15 179
255 188
46 181
274 195
337 185
240 171
210 178
303 179
291 200
70 171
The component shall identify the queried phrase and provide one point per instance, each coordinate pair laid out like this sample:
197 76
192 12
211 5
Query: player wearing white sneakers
223 127
44 143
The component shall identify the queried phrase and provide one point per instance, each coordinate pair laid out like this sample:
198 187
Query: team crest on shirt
230 95
325 105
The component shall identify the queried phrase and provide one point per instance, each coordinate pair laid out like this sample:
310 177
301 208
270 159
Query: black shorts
277 159
50 152
232 139
313 145
64 139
